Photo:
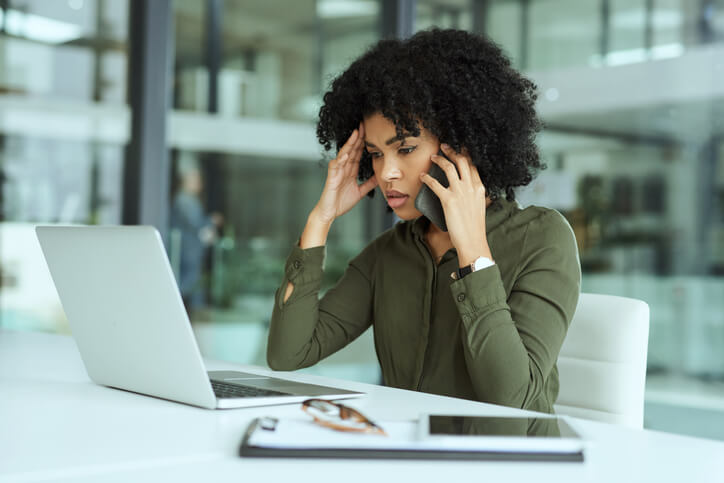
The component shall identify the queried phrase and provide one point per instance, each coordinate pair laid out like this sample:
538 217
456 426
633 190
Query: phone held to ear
427 201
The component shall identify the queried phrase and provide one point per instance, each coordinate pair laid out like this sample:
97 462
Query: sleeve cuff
305 265
478 290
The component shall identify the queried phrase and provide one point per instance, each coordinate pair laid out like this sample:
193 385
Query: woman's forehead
380 130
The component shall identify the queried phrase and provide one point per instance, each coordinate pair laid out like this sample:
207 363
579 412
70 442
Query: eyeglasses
340 417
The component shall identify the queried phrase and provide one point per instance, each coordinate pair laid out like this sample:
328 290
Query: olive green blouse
493 336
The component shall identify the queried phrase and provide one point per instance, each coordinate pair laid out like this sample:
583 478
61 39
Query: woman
493 330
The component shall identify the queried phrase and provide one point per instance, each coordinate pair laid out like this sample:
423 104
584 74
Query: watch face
482 263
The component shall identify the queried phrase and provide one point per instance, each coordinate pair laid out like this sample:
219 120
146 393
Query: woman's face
397 163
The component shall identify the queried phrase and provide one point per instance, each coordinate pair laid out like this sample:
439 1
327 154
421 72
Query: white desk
57 425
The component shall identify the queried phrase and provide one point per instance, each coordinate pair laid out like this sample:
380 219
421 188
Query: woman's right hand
341 191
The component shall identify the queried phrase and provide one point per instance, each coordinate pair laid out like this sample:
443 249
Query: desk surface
55 424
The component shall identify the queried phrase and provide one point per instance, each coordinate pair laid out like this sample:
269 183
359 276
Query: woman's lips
395 199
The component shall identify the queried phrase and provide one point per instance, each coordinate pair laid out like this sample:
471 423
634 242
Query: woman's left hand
464 204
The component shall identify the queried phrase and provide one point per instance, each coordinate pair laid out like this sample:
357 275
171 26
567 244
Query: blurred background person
192 232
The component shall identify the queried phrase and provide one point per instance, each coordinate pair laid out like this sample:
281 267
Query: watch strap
479 264
464 271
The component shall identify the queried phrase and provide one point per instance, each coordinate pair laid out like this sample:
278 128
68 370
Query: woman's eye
407 149
374 154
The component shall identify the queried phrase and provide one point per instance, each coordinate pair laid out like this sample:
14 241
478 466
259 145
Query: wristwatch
479 264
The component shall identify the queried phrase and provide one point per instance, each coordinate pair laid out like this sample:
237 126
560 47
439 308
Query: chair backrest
602 364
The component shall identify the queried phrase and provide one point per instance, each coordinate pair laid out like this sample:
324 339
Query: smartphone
427 201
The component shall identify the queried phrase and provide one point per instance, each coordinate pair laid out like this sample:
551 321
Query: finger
472 169
361 139
434 185
476 176
354 158
461 160
353 137
349 144
355 149
352 166
367 186
448 167
357 160
338 163
359 146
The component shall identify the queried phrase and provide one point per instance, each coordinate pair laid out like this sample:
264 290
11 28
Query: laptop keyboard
226 390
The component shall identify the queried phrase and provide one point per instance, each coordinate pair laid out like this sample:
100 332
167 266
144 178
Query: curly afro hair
459 86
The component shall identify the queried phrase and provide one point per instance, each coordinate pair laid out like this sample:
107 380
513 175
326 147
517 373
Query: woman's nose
391 170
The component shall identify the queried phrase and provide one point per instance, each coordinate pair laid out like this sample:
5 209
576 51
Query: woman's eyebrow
391 140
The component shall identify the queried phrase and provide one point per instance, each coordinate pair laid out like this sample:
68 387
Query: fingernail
445 146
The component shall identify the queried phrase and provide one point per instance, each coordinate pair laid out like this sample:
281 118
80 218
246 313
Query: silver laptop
126 314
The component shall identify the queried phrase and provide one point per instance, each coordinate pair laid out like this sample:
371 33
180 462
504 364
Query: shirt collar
499 211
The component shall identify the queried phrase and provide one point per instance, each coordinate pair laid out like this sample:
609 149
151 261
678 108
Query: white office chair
602 364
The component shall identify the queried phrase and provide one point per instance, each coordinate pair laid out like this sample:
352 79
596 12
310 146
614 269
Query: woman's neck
435 231
438 241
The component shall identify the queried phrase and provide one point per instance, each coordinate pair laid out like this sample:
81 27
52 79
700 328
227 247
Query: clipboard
295 438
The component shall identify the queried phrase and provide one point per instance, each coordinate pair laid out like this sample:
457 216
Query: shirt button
461 297
297 264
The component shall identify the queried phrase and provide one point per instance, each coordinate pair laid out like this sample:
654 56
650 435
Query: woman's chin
406 214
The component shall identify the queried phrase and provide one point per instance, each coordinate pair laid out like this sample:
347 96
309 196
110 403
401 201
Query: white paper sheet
402 435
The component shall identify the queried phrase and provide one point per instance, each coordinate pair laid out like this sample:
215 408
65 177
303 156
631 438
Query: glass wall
562 33
251 198
276 56
453 14
630 92
63 127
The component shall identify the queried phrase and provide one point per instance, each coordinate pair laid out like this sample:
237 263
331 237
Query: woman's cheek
424 162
